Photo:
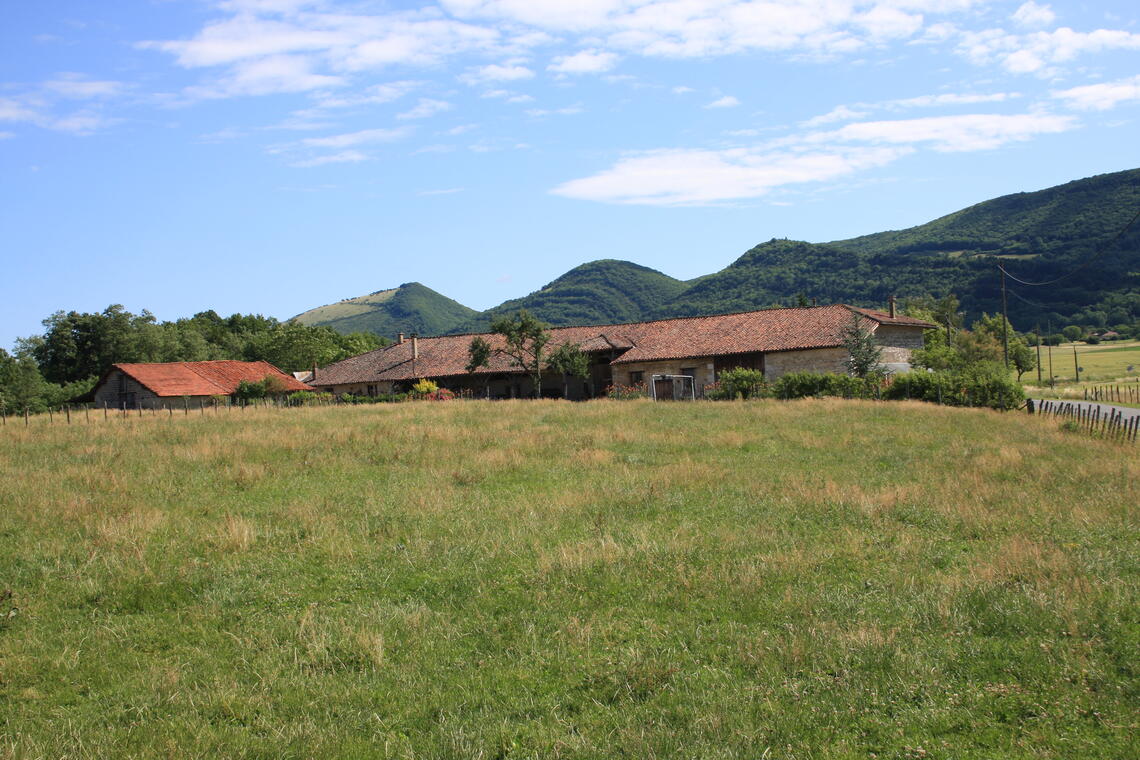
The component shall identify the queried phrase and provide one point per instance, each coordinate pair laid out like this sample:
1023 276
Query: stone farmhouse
776 341
178 384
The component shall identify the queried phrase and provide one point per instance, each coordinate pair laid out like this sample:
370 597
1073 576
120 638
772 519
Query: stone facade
781 363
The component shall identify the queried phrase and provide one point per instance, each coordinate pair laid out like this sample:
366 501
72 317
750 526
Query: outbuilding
178 384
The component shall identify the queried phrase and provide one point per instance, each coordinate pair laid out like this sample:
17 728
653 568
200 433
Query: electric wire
1084 265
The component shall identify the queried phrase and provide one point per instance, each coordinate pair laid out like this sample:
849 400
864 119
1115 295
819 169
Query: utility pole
1076 367
1004 320
1038 329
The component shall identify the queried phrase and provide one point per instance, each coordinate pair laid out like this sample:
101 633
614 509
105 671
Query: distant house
174 384
776 341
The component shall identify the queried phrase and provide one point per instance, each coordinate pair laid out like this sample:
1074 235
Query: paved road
1127 412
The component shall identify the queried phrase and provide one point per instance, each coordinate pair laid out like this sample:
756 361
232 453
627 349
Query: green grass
817 579
1102 363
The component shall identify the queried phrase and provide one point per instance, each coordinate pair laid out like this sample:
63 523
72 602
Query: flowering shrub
625 392
439 394
423 388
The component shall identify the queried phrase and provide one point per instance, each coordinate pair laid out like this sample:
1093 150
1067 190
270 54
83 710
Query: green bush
738 382
975 386
804 384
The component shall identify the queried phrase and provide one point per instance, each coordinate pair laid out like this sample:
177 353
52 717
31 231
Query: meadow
810 579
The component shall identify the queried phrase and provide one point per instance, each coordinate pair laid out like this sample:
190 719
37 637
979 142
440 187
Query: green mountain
410 308
1071 232
598 292
1036 236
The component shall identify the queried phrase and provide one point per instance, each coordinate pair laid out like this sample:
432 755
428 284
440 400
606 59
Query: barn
178 384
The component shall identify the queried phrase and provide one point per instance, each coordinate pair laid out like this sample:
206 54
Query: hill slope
1038 236
410 308
598 292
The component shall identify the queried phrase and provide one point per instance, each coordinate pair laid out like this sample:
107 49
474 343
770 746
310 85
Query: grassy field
816 579
1102 363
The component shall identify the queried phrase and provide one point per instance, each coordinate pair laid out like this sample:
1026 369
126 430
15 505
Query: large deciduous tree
526 338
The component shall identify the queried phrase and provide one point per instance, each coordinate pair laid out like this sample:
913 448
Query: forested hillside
410 308
599 292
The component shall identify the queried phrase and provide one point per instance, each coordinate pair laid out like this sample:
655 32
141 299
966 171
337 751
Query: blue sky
269 156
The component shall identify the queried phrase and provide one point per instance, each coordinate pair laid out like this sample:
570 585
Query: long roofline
865 311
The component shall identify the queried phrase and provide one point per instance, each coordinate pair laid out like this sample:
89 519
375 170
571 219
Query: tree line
76 348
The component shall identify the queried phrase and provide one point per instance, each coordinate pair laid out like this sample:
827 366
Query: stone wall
897 342
779 363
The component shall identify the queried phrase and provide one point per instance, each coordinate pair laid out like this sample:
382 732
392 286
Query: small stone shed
776 341
177 384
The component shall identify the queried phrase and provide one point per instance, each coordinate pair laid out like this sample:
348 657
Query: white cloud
965 132
682 90
425 108
78 87
696 176
863 110
358 138
462 129
496 73
82 123
1035 52
7 135
567 111
700 177
375 94
13 110
728 101
584 62
266 76
344 157
1102 96
1033 15
839 113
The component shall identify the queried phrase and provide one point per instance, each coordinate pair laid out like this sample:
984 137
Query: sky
271 156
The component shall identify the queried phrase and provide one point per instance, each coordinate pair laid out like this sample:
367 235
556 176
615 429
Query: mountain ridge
1038 235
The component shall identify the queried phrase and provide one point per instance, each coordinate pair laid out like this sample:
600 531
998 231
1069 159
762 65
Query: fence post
67 411
26 419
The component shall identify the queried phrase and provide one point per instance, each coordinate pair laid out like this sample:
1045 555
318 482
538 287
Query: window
690 371
636 378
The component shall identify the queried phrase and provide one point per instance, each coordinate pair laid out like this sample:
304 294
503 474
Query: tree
569 360
864 349
526 339
480 354
1072 333
21 385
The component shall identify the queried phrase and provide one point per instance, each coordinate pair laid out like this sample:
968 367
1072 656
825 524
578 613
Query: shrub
739 382
804 384
423 388
309 398
976 386
626 392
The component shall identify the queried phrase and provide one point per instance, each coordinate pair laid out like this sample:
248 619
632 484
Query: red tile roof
215 378
720 335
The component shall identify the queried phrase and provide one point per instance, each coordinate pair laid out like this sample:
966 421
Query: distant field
1106 362
816 579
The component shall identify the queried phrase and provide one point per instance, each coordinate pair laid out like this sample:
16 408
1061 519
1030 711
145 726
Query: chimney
314 375
399 339
415 348
891 306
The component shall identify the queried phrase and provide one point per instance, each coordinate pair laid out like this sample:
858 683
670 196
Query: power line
1085 265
